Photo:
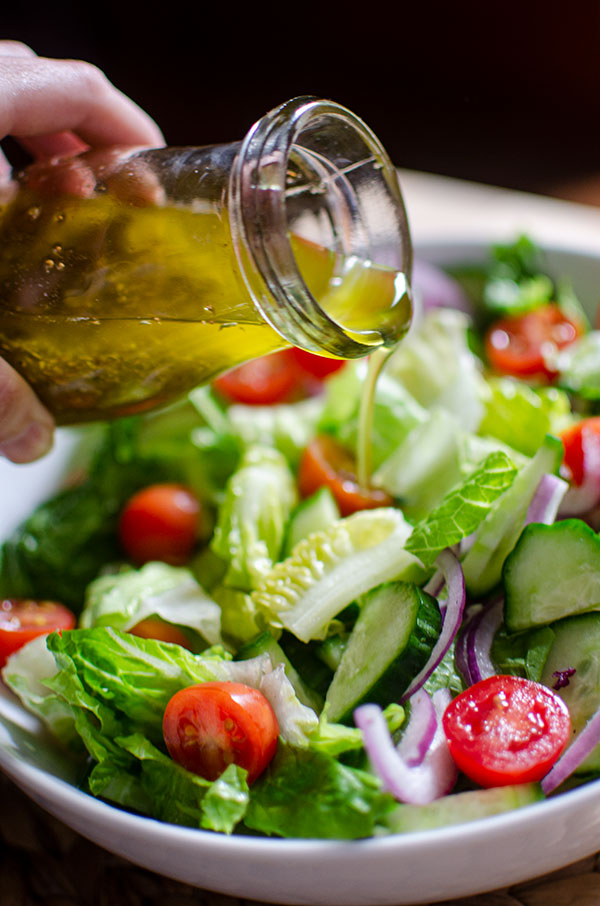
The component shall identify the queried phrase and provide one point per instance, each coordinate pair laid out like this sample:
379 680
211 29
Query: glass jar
129 276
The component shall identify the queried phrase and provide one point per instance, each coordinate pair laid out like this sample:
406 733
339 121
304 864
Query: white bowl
413 868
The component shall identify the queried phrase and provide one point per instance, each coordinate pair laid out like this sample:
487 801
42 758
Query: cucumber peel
553 572
459 808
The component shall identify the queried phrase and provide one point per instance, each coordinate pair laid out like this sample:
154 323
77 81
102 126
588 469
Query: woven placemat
44 862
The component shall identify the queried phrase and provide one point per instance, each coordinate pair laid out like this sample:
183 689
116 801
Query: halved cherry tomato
161 522
212 725
153 628
506 729
574 439
516 345
318 366
325 462
269 379
22 620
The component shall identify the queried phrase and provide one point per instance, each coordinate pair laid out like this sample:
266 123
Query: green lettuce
435 364
252 521
395 412
463 509
305 793
171 593
521 416
579 366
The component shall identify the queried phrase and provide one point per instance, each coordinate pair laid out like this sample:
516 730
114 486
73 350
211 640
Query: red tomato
506 729
516 345
326 462
153 628
269 379
212 725
22 620
573 438
318 366
160 522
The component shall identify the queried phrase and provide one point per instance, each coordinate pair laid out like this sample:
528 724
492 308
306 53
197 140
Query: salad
227 629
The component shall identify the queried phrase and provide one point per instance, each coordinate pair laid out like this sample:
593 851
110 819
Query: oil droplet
48 264
60 217
60 265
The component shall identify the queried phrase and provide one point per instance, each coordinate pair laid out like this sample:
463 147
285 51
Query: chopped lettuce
286 427
521 416
252 520
463 509
579 366
395 412
305 793
435 364
330 569
156 590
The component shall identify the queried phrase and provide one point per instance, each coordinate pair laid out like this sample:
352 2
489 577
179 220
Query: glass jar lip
258 221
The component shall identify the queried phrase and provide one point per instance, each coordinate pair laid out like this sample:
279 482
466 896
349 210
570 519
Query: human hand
54 107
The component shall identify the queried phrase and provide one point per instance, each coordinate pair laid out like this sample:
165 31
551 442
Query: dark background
505 93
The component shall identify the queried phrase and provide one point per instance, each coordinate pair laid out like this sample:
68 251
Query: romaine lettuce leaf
287 427
252 521
305 793
579 366
395 411
462 509
171 593
181 797
521 416
435 364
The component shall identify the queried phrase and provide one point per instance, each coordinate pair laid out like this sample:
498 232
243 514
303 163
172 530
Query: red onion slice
479 640
436 289
547 500
583 498
455 604
419 731
460 654
434 777
572 757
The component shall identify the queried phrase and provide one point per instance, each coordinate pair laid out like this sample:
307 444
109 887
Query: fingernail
31 444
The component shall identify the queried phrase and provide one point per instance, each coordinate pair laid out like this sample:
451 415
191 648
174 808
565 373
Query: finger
26 427
58 145
15 49
43 97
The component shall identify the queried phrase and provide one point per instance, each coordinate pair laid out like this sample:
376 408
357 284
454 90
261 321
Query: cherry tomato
153 628
273 378
575 441
22 620
160 522
516 345
326 462
318 366
506 729
212 725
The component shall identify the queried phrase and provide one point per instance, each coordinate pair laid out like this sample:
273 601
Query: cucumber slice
462 807
553 572
482 566
312 515
331 569
577 645
391 641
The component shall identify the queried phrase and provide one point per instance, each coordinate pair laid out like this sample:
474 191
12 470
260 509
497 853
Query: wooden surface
44 862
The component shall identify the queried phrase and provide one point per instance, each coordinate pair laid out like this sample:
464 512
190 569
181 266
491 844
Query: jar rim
259 225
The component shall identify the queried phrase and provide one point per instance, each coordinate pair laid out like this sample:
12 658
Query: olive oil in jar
129 277
109 309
